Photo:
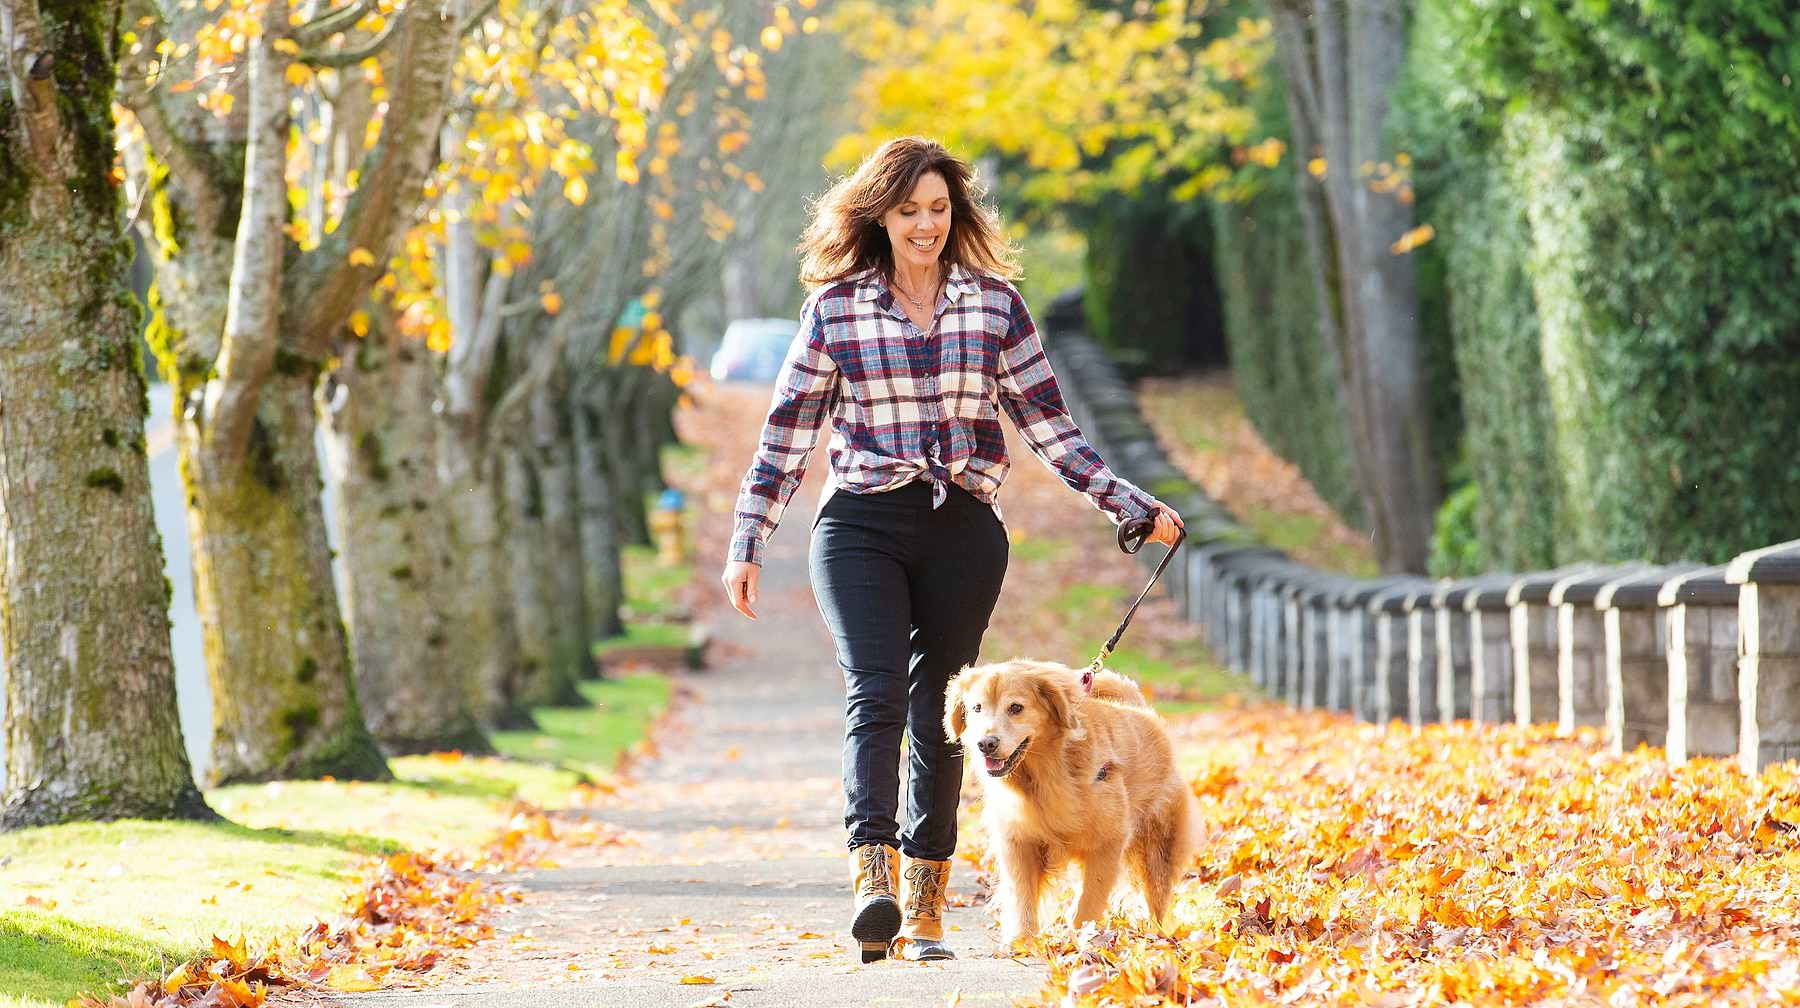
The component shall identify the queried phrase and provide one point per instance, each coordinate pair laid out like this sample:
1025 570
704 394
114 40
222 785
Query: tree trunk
283 703
651 421
605 576
91 724
1399 413
1340 60
624 470
276 654
243 335
396 540
543 681
553 459
478 597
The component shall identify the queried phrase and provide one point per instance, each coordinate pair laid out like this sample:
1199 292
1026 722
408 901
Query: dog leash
1132 535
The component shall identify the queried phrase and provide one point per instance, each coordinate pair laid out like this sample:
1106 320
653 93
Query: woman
912 333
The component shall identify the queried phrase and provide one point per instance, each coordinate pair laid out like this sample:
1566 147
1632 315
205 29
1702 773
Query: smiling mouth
925 247
1000 768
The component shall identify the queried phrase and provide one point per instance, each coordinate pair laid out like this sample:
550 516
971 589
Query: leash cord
1087 678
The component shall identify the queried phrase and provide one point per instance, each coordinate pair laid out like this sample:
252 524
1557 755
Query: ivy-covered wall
1624 196
1283 370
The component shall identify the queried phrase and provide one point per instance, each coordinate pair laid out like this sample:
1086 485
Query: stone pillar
1769 666
1270 638
1359 654
1337 687
1581 647
1254 637
1421 654
1703 664
1635 666
1232 601
1343 643
1455 688
1490 650
1290 639
1388 608
1534 647
1221 598
1315 642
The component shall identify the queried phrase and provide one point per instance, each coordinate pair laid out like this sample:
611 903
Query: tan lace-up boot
877 909
923 886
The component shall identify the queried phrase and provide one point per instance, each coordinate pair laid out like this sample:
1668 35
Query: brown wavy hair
845 235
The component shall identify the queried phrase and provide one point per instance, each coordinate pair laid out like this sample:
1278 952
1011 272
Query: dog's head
1001 712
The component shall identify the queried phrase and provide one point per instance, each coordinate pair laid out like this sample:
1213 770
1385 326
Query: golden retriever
1072 779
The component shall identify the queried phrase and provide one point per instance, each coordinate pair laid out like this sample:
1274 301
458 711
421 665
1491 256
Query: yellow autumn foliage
1089 99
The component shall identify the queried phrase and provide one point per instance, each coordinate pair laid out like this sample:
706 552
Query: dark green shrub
1623 187
1151 299
1456 548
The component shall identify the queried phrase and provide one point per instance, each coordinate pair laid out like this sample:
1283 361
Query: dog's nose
987 745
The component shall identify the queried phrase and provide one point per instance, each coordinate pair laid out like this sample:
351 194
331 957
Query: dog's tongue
994 764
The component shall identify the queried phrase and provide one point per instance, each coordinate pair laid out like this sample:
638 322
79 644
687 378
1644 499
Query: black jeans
906 592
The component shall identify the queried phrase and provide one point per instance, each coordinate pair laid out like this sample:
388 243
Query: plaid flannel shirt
907 405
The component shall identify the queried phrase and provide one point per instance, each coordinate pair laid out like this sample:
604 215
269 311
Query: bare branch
326 286
475 16
331 23
253 317
350 57
30 69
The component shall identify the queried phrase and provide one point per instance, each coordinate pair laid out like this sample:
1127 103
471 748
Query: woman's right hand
740 580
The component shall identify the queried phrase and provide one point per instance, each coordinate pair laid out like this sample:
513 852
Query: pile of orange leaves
1351 864
410 910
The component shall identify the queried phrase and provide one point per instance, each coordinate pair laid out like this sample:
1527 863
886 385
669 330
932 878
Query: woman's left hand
1167 522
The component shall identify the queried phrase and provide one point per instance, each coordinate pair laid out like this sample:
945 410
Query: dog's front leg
1099 874
1022 868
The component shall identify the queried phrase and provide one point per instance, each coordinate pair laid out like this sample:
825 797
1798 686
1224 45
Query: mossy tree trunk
553 465
478 595
396 537
91 724
245 321
543 680
625 467
601 567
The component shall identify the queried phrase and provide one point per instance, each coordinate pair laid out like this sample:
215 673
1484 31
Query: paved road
739 870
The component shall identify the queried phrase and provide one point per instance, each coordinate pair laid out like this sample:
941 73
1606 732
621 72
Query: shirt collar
869 285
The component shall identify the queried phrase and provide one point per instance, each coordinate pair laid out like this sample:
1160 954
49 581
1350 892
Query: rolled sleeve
805 392
1030 395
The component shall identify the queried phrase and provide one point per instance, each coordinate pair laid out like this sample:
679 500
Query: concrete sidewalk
736 869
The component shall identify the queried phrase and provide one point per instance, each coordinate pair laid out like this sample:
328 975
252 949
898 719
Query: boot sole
876 924
926 950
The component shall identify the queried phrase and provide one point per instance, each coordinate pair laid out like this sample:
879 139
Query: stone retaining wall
1700 661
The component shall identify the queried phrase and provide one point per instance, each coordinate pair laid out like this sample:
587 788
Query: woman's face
919 227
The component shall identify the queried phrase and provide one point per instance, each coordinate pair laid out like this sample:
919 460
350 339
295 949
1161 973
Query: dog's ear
956 718
1058 693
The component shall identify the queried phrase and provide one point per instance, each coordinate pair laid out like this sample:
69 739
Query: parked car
753 350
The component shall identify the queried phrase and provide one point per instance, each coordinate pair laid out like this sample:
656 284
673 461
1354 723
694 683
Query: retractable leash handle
1132 535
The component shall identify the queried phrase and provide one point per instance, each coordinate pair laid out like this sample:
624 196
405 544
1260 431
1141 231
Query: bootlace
927 891
875 868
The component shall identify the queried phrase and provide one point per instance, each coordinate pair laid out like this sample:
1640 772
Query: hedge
1653 154
1283 371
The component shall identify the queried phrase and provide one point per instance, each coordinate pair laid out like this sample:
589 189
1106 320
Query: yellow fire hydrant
666 528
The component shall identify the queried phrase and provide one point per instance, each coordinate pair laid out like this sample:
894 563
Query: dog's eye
1017 708
978 708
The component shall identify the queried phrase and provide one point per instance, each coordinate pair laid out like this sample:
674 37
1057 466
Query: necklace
916 302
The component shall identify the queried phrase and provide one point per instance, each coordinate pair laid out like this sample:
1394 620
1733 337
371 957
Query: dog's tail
1109 685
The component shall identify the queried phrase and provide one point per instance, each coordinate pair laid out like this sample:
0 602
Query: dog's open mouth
1000 768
